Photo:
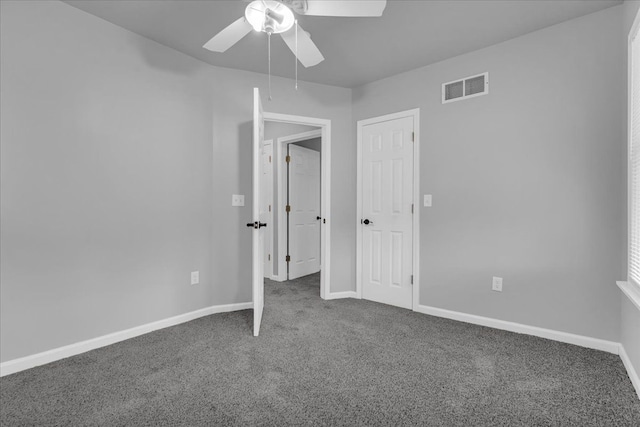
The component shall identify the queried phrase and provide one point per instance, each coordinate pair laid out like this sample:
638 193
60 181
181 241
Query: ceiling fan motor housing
269 16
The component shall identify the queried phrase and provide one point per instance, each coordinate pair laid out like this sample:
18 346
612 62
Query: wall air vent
465 88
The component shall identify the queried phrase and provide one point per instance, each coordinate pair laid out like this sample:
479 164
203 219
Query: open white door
259 213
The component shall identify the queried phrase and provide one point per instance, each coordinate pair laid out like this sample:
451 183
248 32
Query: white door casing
304 202
387 199
266 193
259 215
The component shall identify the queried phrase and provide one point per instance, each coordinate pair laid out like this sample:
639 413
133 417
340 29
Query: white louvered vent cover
634 165
465 88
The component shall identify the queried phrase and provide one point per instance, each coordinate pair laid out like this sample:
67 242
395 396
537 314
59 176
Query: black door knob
262 224
367 222
318 217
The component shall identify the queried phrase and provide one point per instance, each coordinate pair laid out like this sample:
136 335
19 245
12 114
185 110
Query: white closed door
387 212
259 215
304 211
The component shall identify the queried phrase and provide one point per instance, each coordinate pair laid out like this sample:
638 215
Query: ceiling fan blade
308 53
359 8
229 36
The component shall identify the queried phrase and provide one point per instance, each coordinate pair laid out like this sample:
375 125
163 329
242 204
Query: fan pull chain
269 52
296 58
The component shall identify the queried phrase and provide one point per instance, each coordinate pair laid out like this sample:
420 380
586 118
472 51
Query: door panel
259 214
387 201
376 257
304 199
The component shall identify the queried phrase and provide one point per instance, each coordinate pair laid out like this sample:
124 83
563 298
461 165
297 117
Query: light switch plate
237 200
427 200
496 285
195 277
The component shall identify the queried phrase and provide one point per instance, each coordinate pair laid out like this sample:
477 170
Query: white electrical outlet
427 200
195 277
237 200
497 284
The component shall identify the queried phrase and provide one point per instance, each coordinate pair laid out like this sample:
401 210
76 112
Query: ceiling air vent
465 88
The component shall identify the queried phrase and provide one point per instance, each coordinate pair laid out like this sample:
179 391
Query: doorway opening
300 239
299 192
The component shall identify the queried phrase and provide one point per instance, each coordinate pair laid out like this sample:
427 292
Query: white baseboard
580 340
17 365
339 295
631 371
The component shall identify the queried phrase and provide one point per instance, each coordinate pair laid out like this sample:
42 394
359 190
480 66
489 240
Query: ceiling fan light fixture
269 16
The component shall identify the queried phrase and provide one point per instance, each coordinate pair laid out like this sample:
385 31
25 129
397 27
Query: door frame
283 181
415 114
325 192
269 230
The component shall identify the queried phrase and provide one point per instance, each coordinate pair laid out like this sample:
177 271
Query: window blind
634 164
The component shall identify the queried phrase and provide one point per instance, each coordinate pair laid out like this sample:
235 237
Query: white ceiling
410 34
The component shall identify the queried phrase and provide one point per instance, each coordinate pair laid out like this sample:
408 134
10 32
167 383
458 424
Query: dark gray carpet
344 362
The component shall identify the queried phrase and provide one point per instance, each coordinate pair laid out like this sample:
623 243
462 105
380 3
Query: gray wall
314 144
629 314
119 158
527 181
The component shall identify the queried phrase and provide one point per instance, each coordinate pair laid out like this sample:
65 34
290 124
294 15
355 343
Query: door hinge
269 159
269 208
413 137
288 258
269 257
412 279
411 208
288 208
287 159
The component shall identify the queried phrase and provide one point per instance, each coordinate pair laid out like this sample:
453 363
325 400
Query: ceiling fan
277 17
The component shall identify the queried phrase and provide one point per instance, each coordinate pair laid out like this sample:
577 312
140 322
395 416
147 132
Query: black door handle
318 217
367 222
257 224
